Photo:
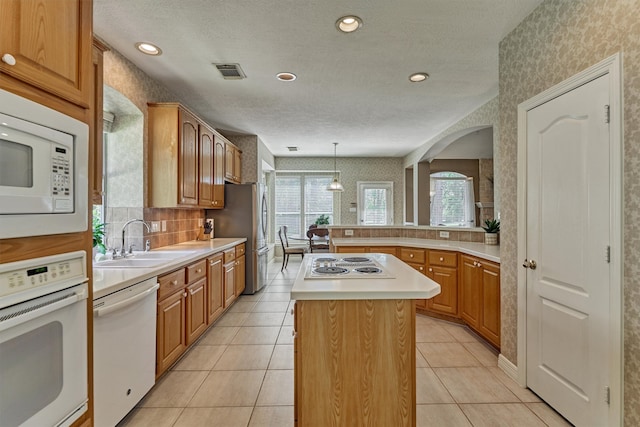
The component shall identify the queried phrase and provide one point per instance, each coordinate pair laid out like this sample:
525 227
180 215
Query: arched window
452 200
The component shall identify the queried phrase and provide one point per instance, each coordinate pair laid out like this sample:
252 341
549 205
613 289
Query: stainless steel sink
143 259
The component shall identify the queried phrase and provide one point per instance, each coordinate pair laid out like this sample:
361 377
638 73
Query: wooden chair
318 239
286 249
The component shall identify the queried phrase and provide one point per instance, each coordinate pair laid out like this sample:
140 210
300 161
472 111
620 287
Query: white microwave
43 170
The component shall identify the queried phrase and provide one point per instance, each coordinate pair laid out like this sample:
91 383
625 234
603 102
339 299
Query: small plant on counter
491 226
98 235
322 220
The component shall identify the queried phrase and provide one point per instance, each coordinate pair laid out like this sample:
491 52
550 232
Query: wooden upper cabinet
206 177
188 155
50 42
95 136
218 174
232 163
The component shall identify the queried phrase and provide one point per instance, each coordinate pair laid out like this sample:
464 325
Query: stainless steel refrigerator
245 215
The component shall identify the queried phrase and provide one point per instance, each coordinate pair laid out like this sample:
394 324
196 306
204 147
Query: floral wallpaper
557 40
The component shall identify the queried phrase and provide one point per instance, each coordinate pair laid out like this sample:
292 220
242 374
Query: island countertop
405 283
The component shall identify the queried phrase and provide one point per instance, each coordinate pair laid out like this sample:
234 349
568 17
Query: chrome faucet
123 251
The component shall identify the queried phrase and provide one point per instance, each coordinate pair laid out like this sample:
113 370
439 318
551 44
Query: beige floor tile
243 306
501 415
524 394
279 288
244 357
251 298
276 296
422 320
228 388
460 332
482 352
232 319
282 357
445 415
174 390
474 385
263 319
200 358
219 335
548 415
286 335
256 335
271 307
156 417
432 333
429 389
420 360
446 354
227 417
272 416
277 388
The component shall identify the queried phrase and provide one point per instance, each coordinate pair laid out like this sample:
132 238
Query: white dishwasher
124 350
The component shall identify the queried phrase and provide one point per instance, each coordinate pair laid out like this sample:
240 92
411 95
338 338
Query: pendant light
335 185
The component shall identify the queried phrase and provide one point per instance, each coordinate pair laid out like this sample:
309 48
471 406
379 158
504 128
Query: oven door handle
103 311
38 310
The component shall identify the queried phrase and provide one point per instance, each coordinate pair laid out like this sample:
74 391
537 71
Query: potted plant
98 236
491 228
322 220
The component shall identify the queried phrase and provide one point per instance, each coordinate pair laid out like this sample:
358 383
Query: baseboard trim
509 368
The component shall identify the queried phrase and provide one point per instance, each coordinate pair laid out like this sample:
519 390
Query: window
375 203
301 197
452 200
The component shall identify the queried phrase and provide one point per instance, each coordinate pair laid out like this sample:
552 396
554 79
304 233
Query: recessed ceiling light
349 23
286 77
148 48
418 77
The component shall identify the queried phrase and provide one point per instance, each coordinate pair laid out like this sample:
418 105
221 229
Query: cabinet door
196 309
229 283
446 301
51 44
237 165
391 250
218 174
489 325
96 111
470 291
215 291
206 174
229 162
170 336
240 274
188 161
420 303
351 249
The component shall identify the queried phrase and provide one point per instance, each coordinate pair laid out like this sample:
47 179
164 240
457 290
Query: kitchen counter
406 282
488 252
109 280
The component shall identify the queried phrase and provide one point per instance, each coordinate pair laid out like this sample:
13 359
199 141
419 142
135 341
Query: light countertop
109 280
488 252
406 283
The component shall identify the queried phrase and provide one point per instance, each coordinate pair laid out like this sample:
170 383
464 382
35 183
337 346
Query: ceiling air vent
231 71
292 148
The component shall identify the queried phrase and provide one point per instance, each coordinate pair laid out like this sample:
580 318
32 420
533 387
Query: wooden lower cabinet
196 307
480 297
229 283
170 337
215 288
443 270
240 279
351 249
341 378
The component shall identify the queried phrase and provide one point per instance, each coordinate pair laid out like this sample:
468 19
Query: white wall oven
43 170
43 341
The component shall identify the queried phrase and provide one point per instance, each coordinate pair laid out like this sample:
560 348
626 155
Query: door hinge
608 254
607 113
607 395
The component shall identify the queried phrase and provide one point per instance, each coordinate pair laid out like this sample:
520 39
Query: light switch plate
164 225
348 232
444 234
155 226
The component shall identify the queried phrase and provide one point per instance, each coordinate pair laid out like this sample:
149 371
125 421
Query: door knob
529 263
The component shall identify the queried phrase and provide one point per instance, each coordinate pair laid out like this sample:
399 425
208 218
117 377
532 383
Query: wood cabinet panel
240 249
413 255
196 271
171 283
170 336
240 279
233 163
218 174
229 255
196 310
229 283
391 250
489 325
188 159
215 291
96 112
470 291
206 167
446 302
51 44
351 249
443 258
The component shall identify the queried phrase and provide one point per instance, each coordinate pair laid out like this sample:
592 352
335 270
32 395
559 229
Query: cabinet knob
421 268
184 295
8 59
293 333
410 255
292 311
441 258
174 283
479 265
199 270
430 269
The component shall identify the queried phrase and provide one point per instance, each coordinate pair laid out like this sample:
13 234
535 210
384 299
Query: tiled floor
240 373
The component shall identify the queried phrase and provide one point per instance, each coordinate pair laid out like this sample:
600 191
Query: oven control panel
48 274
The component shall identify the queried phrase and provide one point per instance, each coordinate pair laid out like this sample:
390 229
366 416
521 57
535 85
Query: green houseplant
322 220
491 229
98 235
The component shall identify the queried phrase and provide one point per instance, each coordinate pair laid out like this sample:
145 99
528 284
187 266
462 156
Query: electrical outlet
155 226
164 225
444 234
348 232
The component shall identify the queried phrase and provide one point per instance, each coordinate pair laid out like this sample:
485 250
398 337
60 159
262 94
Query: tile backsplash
457 235
182 225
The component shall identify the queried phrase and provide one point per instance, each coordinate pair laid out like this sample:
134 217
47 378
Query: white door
568 235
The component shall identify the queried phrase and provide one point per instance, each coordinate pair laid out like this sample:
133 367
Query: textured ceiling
351 88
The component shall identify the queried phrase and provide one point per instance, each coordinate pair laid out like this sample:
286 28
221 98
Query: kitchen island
354 345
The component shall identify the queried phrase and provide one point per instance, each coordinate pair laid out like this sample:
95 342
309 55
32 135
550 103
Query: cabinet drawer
229 255
419 267
170 283
412 255
240 249
196 271
443 258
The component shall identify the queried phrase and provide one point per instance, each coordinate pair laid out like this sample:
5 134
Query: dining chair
318 239
286 249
